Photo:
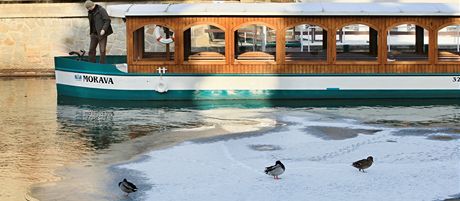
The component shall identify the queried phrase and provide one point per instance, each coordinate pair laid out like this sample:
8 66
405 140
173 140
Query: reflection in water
209 104
102 127
43 139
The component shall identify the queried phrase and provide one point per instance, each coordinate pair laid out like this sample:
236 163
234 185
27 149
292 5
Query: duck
127 187
275 170
364 163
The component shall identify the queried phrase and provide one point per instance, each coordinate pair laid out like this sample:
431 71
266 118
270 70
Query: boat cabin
292 38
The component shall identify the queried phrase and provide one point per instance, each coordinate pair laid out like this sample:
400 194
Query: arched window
153 42
407 42
449 43
356 42
204 43
255 42
306 42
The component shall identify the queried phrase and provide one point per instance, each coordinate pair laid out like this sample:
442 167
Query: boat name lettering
97 79
456 79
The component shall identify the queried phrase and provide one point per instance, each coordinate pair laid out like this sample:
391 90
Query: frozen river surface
80 150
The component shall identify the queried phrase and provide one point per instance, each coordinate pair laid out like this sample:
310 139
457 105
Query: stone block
3 28
9 42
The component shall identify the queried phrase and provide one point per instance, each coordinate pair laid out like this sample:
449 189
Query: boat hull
242 86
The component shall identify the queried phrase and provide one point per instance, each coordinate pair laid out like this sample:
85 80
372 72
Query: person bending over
99 28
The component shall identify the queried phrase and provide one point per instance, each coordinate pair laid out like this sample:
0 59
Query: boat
213 51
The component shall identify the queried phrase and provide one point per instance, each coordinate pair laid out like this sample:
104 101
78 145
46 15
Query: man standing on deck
99 28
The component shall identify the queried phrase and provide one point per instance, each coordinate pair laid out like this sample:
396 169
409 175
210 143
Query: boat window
407 42
204 43
306 42
449 43
255 43
356 42
154 42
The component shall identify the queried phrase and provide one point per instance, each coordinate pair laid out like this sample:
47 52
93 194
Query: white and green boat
275 51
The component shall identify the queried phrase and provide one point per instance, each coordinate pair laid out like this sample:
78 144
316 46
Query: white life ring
160 38
162 87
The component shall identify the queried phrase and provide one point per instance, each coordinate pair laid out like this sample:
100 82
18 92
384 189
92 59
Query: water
45 142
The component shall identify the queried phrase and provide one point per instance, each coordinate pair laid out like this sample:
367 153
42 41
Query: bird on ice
364 163
127 187
275 170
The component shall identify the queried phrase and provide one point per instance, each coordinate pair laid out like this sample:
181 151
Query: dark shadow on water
211 104
338 133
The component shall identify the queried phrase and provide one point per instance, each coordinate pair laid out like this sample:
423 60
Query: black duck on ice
127 187
275 170
364 163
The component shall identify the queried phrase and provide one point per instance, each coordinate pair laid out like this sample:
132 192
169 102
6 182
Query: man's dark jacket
101 21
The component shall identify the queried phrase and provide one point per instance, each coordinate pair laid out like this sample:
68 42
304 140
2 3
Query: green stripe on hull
82 92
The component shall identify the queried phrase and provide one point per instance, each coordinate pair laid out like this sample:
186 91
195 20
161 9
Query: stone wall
31 35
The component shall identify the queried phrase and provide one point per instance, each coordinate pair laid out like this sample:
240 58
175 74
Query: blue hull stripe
93 93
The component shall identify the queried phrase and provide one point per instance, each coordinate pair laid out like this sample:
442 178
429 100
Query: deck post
331 56
179 45
432 46
384 47
229 46
280 45
168 51
129 44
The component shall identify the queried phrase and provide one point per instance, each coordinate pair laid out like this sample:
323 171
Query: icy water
72 149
